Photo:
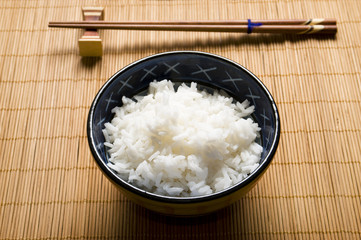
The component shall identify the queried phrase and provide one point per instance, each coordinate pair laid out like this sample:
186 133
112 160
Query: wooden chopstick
282 29
314 21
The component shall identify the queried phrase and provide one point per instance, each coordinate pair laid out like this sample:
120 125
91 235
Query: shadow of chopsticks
231 40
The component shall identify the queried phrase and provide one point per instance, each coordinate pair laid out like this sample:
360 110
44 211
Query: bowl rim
182 200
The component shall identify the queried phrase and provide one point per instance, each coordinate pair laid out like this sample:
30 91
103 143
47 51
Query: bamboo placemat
50 187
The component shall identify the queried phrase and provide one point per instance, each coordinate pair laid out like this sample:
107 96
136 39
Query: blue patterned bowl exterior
210 72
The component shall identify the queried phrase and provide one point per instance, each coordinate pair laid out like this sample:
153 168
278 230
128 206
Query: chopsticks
315 21
296 26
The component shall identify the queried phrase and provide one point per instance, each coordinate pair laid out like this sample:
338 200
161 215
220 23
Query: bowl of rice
183 133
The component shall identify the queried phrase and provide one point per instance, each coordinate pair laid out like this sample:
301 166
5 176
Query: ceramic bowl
211 72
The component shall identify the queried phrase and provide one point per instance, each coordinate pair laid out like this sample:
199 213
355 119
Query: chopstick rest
90 44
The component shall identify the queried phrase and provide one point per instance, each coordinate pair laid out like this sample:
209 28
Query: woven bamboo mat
50 187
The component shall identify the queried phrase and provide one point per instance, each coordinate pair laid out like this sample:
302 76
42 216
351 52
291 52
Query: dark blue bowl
209 71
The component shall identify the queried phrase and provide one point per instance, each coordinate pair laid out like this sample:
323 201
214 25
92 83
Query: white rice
184 142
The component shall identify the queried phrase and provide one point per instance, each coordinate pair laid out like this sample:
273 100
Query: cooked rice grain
182 142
